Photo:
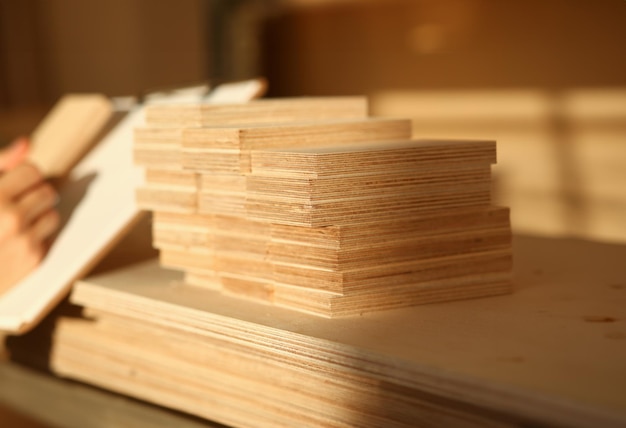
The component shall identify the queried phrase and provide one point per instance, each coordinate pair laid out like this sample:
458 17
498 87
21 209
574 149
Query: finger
18 180
14 154
36 201
11 222
45 226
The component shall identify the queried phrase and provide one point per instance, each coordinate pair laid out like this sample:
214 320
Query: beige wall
545 78
354 47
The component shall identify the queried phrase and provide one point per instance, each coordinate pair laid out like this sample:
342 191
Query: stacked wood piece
312 205
158 146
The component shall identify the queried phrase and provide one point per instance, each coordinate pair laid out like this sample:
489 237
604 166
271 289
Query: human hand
27 214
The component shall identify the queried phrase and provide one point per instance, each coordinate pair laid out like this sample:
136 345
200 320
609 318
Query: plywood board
221 149
371 157
260 111
550 354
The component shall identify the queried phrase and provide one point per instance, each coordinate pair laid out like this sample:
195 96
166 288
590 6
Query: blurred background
545 78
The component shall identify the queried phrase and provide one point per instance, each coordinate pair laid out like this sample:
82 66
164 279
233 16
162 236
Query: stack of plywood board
416 227
312 205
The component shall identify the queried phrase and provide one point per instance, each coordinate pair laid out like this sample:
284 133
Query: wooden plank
220 149
338 184
222 194
369 157
259 111
411 247
172 178
402 275
363 198
167 198
356 234
157 148
368 209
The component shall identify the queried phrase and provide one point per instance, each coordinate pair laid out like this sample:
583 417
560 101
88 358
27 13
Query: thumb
14 154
